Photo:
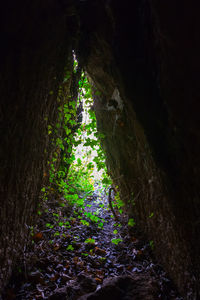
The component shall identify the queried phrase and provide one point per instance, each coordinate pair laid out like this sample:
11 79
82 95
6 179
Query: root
110 203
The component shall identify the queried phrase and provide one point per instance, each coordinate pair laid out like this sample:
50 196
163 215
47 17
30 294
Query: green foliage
84 254
49 225
100 225
151 215
116 241
81 175
89 241
56 233
84 222
71 174
131 222
119 203
107 181
70 248
151 244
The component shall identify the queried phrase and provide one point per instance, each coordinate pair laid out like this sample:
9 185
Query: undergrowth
77 166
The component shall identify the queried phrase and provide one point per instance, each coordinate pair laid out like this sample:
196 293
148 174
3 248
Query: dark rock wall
179 67
35 49
143 58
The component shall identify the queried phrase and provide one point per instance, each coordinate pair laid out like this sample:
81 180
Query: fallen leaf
37 237
100 251
67 266
140 252
100 273
56 247
76 259
98 280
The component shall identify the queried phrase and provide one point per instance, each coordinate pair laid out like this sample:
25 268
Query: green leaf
107 181
100 225
70 248
131 222
79 162
84 254
151 215
56 233
68 131
116 241
49 225
89 241
85 222
151 243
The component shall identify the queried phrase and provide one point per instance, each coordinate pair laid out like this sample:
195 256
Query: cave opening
83 235
77 167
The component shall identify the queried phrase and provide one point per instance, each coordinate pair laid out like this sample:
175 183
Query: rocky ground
83 252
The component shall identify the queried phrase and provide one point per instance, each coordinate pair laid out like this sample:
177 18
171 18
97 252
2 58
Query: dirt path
76 250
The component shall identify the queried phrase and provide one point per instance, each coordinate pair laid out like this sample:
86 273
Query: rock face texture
147 76
124 287
144 63
33 56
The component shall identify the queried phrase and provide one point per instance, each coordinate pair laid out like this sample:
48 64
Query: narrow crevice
141 60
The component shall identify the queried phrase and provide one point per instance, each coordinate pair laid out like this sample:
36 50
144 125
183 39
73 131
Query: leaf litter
74 250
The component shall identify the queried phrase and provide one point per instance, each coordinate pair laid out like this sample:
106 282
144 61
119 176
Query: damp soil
75 250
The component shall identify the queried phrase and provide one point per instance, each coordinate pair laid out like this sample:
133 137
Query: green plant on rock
119 204
71 174
131 222
81 175
151 244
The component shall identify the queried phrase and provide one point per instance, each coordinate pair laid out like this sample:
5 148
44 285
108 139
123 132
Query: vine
72 175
